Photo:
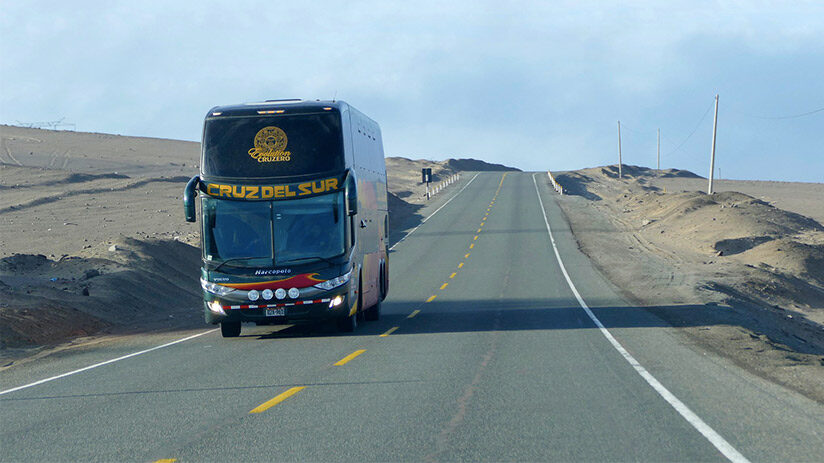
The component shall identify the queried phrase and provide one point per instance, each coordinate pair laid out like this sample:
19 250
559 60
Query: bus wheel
348 323
374 313
230 329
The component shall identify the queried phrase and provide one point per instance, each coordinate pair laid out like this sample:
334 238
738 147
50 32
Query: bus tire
348 323
230 329
373 313
384 281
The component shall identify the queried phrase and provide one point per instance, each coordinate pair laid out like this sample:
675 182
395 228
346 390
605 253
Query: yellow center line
277 399
476 236
484 219
453 274
349 357
471 245
444 285
431 298
166 460
412 315
394 328
461 264
466 256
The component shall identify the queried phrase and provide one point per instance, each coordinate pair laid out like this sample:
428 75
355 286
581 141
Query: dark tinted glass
242 231
273 146
237 229
310 228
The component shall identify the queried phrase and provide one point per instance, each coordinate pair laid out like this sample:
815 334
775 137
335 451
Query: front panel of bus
276 244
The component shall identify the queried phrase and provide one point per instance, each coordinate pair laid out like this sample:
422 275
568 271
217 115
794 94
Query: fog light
294 293
215 307
267 294
280 293
254 295
338 300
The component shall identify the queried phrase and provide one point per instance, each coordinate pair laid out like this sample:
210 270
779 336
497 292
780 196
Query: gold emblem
270 145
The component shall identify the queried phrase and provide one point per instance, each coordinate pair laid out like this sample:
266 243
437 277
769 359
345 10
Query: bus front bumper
301 311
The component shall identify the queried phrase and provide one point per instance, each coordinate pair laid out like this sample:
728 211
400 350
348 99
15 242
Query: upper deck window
273 145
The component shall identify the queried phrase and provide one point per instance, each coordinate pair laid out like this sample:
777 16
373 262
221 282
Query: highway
484 352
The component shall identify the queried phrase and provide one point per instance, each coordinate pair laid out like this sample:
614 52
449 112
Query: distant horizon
532 85
664 169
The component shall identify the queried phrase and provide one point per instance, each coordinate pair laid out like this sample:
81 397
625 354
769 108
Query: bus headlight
215 288
335 282
338 300
215 307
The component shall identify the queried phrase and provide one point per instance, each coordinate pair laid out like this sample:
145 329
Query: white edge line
715 439
436 211
134 354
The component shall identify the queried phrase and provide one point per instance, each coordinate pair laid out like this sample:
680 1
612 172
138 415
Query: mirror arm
189 195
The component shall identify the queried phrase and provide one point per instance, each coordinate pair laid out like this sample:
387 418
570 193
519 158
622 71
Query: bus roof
288 106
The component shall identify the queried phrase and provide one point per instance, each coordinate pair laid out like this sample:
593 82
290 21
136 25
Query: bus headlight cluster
335 282
215 288
280 293
294 293
267 294
215 307
254 295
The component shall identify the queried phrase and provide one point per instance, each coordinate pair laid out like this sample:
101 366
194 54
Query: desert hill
783 251
735 272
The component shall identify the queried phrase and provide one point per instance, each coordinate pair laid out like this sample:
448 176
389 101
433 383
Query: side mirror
351 195
189 195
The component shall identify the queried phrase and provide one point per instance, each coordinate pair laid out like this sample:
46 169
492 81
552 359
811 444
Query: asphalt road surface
483 352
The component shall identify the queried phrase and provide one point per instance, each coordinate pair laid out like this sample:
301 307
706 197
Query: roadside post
620 161
426 177
712 153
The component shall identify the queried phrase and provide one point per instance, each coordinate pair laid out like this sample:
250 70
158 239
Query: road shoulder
677 291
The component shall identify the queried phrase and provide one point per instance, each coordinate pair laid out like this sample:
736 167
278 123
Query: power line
794 116
693 130
624 126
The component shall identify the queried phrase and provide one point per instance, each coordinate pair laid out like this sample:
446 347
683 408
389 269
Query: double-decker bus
294 214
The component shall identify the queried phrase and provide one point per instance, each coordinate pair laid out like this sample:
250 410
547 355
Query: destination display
272 192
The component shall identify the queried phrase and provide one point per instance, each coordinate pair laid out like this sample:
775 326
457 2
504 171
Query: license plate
279 312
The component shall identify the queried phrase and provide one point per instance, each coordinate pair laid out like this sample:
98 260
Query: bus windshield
272 146
262 233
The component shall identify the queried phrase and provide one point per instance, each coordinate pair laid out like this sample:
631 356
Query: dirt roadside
735 274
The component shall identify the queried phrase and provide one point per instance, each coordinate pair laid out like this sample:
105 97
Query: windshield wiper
233 259
325 259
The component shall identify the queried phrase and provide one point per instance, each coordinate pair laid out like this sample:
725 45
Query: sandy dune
753 271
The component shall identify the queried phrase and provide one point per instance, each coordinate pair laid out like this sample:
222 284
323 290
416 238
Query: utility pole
659 151
712 154
619 151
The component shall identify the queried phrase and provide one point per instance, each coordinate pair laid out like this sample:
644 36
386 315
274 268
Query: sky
534 85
